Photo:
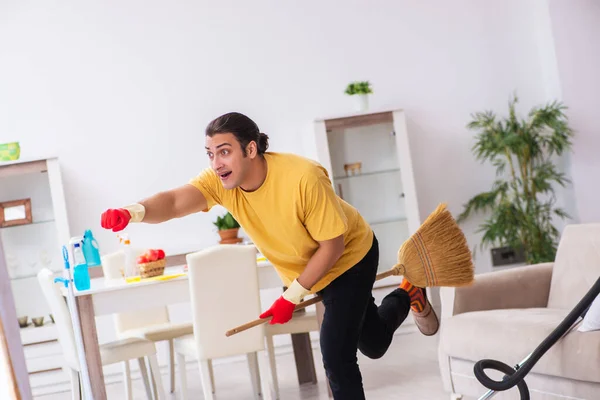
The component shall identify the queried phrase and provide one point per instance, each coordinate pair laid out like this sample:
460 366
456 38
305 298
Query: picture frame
15 212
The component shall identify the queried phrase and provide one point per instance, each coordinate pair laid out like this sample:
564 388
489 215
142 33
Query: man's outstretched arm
161 207
174 203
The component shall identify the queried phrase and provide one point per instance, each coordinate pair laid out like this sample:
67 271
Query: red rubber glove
281 311
115 219
283 308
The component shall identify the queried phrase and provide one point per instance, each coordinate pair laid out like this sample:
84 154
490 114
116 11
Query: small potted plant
360 91
228 229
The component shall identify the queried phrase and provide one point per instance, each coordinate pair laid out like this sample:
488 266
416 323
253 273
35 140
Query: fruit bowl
151 263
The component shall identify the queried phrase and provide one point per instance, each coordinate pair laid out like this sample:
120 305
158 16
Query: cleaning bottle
91 250
81 276
129 268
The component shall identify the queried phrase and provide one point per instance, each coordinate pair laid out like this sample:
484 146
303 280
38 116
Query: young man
316 241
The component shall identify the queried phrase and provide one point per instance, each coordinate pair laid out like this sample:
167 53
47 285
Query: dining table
111 296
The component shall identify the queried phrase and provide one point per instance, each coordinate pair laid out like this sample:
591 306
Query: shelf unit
25 249
383 190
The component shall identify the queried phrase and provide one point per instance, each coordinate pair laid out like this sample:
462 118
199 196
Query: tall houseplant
522 200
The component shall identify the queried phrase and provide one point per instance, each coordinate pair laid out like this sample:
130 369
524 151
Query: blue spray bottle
81 276
91 250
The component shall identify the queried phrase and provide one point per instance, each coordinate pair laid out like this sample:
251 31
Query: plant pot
229 236
361 102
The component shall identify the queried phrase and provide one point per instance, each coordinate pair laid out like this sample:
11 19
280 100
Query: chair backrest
62 317
576 266
224 294
111 267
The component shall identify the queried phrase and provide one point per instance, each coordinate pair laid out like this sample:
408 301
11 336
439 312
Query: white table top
268 278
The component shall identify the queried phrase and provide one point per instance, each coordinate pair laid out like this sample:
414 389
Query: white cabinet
32 246
368 158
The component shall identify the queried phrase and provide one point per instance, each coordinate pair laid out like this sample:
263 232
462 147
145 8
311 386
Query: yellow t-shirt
290 212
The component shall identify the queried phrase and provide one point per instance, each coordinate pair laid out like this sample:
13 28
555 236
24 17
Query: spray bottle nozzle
124 239
63 280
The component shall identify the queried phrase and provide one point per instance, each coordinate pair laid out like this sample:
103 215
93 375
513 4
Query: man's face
227 159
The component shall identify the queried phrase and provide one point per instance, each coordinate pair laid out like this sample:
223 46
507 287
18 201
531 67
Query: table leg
87 320
303 355
305 362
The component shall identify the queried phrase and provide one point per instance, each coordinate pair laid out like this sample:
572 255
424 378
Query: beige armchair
505 315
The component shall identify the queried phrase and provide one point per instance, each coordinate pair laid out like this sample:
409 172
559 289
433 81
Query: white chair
152 324
223 283
110 353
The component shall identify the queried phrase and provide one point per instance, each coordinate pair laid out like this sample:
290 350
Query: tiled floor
408 371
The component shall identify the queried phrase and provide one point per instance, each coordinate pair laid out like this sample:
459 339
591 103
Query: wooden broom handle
299 306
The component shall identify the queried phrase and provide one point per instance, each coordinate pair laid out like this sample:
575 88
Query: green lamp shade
10 151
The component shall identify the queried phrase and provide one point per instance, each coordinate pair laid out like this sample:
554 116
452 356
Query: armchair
505 315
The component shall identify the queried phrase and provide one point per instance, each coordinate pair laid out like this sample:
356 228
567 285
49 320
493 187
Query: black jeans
353 321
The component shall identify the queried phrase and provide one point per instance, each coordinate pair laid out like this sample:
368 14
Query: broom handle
299 306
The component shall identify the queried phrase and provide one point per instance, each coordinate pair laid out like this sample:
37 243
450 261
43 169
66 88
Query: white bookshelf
31 247
384 190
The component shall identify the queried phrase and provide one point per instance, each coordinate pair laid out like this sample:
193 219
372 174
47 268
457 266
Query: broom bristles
437 254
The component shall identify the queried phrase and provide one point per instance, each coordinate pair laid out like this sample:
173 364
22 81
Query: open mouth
225 175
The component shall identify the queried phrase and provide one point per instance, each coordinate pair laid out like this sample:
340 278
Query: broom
437 254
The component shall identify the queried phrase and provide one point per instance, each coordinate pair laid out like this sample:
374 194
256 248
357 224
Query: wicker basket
152 268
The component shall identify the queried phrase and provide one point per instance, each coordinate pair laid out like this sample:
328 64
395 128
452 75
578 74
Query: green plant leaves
521 203
226 222
360 87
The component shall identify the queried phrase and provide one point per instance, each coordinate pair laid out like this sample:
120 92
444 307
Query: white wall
576 29
121 91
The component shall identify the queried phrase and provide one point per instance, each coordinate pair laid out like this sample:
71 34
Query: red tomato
152 255
142 259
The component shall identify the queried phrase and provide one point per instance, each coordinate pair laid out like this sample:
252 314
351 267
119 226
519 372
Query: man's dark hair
243 128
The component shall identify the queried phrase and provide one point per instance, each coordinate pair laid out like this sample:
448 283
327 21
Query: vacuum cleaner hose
515 376
507 369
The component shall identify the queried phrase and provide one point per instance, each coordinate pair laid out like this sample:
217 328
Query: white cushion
159 332
591 321
576 266
510 335
125 349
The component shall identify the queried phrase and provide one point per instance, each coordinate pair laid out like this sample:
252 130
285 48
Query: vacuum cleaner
516 376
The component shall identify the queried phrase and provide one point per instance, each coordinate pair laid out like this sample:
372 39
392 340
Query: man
318 243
